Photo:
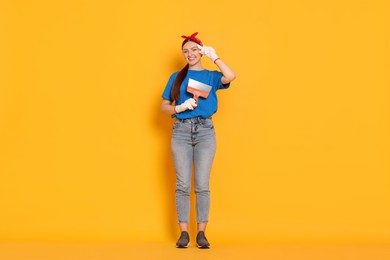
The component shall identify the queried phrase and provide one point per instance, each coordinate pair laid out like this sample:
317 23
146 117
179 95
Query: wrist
215 60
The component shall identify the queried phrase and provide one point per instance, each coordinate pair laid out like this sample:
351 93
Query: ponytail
175 92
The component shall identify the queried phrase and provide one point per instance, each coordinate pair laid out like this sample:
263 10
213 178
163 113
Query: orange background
303 132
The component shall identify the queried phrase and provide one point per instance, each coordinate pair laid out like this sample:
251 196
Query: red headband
193 38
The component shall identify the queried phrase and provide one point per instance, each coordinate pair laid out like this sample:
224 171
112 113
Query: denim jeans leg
204 151
182 151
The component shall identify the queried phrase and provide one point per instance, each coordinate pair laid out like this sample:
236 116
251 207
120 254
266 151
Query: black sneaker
201 240
184 240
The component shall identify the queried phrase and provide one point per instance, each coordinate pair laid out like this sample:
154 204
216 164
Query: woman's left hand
208 51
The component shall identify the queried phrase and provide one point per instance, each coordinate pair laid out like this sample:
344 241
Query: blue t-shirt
206 106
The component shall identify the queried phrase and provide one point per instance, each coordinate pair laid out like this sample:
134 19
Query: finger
200 48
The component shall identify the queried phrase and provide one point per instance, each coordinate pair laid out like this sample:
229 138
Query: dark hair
175 92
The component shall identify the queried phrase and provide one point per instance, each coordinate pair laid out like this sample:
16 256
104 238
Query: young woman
193 138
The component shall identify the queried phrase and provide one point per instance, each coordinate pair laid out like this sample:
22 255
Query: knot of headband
192 37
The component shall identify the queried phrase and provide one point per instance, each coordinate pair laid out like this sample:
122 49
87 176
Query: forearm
168 108
228 73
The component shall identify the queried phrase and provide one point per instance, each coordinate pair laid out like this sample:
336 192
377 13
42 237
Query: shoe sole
186 246
203 247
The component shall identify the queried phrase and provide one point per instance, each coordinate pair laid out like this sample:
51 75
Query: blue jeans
193 144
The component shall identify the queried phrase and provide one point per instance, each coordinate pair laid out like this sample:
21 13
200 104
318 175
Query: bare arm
167 107
228 73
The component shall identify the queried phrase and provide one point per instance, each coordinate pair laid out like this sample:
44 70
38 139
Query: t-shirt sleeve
218 81
167 91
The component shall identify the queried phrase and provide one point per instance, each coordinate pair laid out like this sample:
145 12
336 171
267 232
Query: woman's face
191 53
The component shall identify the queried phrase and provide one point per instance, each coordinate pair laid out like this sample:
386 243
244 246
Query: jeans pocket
177 124
207 123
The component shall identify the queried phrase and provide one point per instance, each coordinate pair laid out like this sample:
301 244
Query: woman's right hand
188 104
